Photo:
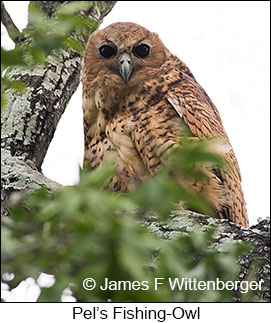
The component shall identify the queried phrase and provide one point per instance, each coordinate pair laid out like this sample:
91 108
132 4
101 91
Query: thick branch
255 265
11 28
30 121
20 176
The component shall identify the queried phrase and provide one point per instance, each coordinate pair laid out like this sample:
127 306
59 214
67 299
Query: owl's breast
135 127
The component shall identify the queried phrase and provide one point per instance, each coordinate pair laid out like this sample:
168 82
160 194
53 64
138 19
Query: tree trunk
30 119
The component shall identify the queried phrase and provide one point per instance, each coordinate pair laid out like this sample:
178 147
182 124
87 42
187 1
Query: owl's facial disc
125 67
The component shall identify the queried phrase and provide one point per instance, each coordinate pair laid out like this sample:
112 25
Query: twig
6 20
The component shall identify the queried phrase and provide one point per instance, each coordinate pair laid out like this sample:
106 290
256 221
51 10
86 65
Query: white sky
226 46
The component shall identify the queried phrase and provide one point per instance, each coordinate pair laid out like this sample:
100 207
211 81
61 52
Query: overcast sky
226 46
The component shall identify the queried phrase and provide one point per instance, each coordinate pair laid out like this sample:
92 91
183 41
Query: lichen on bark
254 264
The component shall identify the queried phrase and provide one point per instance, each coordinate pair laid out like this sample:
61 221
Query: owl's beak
126 67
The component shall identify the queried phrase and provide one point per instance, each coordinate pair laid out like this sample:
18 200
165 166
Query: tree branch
11 28
29 124
255 265
20 176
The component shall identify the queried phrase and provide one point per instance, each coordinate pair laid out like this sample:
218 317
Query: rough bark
255 264
30 119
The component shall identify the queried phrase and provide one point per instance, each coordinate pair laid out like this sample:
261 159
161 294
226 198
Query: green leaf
74 44
12 57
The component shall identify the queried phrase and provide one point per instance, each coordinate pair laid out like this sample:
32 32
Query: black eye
141 50
107 51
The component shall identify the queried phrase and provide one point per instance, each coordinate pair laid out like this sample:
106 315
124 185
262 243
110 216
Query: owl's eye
107 51
141 50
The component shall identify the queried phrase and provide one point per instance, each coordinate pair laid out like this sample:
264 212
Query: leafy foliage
86 231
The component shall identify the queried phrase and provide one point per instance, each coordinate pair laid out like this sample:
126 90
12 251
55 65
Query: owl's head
124 53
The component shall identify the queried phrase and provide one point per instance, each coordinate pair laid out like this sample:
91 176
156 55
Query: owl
134 89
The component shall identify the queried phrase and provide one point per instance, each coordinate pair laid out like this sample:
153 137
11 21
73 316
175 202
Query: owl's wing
198 112
196 109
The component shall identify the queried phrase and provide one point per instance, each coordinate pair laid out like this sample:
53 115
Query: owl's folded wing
198 112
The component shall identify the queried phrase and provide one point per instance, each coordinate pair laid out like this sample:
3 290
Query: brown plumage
133 91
